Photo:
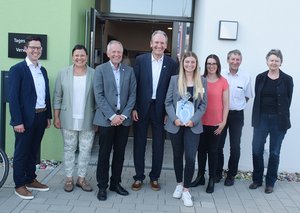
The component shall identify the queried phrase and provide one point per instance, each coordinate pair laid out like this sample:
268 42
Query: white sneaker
187 199
178 191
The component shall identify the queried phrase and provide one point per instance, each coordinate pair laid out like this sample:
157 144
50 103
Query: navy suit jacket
143 74
22 95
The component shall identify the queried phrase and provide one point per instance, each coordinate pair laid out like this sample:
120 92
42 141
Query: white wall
263 25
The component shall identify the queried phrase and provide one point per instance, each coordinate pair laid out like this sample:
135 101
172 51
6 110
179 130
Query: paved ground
238 198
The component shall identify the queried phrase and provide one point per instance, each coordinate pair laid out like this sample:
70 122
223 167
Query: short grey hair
234 52
159 32
276 52
113 42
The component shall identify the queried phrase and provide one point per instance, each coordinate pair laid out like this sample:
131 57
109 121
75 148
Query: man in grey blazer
115 93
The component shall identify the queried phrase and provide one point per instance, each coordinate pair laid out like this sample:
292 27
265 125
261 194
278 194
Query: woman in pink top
213 121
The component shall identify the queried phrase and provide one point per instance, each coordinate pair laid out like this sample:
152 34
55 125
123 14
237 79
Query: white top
39 83
239 89
156 69
79 87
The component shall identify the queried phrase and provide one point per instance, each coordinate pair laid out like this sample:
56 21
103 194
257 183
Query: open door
91 31
134 33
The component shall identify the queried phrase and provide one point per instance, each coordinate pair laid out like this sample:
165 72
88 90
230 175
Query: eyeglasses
35 48
211 64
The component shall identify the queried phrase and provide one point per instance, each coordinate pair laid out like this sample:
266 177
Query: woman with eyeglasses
213 121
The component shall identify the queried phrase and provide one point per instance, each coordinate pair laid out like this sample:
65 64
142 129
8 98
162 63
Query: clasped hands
187 124
117 120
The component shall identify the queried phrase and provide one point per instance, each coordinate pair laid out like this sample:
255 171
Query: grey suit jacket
63 98
105 90
171 101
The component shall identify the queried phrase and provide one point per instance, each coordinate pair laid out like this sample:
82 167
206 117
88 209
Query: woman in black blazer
270 116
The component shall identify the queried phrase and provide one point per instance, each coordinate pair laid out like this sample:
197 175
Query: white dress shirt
117 79
239 89
156 70
39 83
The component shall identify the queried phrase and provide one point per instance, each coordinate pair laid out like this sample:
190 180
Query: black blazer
284 90
22 95
143 74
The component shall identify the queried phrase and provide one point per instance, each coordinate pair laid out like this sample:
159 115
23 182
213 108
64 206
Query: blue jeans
268 126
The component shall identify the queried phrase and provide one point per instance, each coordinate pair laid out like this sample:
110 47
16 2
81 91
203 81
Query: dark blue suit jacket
143 74
22 95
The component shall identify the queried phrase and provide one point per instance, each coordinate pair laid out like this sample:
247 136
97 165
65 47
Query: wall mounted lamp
228 30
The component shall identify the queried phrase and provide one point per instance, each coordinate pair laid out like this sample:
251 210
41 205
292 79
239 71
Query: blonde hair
182 82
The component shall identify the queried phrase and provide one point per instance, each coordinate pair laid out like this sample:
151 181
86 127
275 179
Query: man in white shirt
30 110
240 92
153 72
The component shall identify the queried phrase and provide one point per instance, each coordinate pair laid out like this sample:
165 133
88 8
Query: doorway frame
92 16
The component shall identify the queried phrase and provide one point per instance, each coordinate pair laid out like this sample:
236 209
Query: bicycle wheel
4 167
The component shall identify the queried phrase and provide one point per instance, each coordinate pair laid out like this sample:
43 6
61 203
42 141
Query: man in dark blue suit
30 110
153 72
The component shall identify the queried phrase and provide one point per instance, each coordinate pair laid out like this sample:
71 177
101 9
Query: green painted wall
77 31
63 21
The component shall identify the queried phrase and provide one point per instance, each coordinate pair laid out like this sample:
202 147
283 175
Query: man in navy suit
30 110
153 72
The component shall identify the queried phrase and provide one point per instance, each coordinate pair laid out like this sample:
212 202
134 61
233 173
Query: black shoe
268 189
254 185
102 195
210 186
218 179
119 189
200 180
229 181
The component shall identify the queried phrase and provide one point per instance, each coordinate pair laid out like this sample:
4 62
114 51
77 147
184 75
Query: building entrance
134 33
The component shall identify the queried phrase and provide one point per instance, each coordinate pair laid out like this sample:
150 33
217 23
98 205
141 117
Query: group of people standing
196 110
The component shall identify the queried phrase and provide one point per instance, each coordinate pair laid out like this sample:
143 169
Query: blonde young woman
74 108
187 87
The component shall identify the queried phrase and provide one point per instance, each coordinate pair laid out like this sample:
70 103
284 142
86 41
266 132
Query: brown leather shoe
84 185
254 185
35 185
23 193
269 189
69 186
155 185
137 185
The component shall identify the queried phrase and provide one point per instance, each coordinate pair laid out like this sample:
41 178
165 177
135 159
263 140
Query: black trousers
235 123
184 142
27 145
111 138
208 146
